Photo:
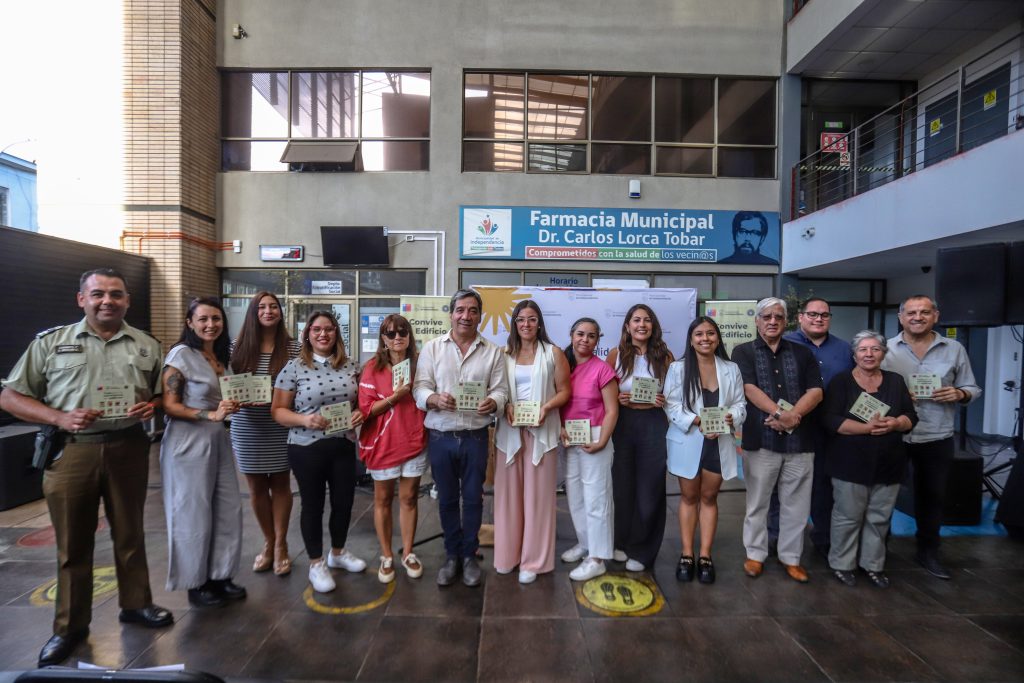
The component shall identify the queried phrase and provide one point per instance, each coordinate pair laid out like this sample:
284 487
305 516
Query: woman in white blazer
703 377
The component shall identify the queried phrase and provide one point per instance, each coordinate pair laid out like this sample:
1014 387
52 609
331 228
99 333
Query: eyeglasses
743 232
772 316
526 321
317 331
391 334
814 315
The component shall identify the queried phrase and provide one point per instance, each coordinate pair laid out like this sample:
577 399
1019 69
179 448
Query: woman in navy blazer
703 377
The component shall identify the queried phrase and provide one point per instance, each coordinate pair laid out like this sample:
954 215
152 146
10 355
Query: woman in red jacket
393 441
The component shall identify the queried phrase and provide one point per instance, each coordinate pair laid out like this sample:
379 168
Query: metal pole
959 106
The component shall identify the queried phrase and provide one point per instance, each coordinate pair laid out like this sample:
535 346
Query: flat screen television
354 245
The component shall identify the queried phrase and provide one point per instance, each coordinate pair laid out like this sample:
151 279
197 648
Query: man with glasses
458 445
782 383
749 231
921 351
833 356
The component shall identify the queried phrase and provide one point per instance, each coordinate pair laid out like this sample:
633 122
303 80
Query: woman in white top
705 377
638 471
526 473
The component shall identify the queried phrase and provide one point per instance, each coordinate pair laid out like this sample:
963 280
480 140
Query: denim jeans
458 461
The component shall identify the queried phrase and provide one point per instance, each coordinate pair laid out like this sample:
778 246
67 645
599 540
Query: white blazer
684 440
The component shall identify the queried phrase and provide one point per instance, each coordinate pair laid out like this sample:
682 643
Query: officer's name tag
114 400
400 374
867 406
712 420
578 432
469 395
235 387
338 416
526 413
69 348
645 390
924 384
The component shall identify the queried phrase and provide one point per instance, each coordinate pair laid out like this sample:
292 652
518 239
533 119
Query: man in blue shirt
833 356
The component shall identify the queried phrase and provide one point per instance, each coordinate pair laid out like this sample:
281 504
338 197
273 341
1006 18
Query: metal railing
979 102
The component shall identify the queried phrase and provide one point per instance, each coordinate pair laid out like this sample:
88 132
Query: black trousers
638 482
327 464
932 462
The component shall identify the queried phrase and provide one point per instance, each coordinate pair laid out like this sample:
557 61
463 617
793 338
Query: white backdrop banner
675 308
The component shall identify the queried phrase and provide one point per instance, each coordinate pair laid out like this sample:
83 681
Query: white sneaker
526 576
413 566
634 566
504 571
619 556
320 577
574 554
346 561
588 569
386 572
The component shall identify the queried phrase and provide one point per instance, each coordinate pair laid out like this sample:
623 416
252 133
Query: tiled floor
768 629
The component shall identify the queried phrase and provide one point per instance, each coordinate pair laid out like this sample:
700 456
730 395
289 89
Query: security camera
926 269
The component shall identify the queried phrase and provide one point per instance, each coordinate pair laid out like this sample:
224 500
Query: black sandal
705 570
847 578
684 570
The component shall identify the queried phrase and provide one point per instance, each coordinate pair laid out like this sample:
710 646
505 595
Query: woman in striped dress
263 347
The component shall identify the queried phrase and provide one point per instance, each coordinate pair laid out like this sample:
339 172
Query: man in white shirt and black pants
458 439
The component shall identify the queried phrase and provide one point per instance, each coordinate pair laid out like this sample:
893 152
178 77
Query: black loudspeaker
20 483
1015 283
1011 505
963 492
970 285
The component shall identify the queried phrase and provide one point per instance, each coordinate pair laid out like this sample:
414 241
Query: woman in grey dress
201 497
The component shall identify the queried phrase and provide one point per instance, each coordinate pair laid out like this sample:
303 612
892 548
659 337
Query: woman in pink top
393 442
588 477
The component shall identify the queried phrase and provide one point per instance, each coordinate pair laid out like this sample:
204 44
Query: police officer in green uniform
102 458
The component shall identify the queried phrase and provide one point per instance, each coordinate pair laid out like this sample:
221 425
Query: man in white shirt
922 351
458 438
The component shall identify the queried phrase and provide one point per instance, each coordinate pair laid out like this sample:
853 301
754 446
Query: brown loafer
753 568
797 573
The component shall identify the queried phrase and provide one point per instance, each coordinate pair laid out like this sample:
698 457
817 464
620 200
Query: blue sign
526 233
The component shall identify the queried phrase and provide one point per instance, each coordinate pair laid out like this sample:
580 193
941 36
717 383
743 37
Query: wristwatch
777 414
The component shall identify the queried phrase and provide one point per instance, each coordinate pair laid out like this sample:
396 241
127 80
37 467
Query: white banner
675 308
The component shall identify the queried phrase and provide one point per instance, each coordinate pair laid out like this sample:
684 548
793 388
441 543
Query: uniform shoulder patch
42 334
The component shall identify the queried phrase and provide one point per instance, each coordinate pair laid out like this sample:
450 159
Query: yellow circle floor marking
621 595
309 597
104 580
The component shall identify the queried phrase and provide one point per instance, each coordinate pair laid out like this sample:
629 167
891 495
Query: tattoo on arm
175 384
203 416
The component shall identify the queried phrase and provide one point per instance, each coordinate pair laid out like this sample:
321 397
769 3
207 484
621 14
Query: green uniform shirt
62 367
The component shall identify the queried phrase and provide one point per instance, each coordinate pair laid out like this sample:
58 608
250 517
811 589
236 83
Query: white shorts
407 470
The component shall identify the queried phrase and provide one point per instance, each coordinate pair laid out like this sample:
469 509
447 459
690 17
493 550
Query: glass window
494 106
740 287
255 104
702 283
493 278
249 155
558 157
686 160
235 308
324 104
492 156
392 282
622 108
849 320
395 155
322 282
248 282
557 107
626 159
396 105
746 112
750 162
684 110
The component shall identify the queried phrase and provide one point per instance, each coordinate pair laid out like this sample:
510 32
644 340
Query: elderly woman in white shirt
703 378
526 473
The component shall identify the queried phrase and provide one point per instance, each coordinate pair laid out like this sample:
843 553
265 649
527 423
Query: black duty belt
104 437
